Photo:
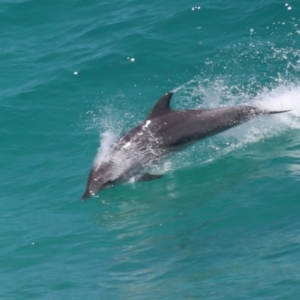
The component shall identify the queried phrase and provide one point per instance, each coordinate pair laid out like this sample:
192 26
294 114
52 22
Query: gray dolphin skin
163 132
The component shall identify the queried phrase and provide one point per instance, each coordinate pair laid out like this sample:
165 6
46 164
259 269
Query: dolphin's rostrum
162 133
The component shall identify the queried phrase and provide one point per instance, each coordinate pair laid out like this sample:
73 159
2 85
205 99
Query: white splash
107 139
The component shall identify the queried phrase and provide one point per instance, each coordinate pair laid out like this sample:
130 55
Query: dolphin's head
98 179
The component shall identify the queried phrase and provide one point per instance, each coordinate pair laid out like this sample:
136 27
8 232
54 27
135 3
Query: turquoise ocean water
222 223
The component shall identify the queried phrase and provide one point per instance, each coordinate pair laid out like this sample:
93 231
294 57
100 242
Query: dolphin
164 132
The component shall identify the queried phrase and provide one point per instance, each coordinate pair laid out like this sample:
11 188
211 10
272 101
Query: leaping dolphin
163 132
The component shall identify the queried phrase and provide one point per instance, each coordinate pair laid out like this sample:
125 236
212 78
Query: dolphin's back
179 127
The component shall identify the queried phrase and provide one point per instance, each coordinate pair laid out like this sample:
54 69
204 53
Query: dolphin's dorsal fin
161 107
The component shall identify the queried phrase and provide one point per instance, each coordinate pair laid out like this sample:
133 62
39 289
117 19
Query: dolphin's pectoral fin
148 177
161 107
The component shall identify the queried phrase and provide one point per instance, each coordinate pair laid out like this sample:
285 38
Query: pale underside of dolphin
164 132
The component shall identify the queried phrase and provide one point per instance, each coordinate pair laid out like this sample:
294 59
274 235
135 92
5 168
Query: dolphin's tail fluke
276 112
